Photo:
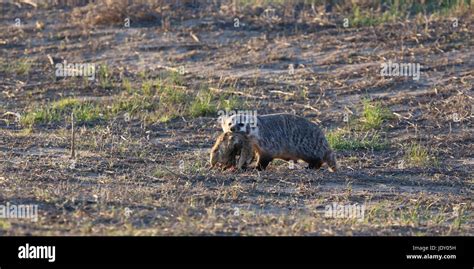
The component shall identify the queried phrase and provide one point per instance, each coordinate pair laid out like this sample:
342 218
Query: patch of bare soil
132 178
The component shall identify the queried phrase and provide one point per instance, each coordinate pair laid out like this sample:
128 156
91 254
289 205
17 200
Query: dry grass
144 132
116 12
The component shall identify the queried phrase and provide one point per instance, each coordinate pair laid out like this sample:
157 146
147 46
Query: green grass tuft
418 156
156 101
230 103
368 17
172 96
23 67
343 140
373 115
20 67
84 112
175 78
132 105
104 75
148 87
202 104
127 85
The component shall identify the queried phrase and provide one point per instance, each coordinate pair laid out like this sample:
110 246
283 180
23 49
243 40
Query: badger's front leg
262 161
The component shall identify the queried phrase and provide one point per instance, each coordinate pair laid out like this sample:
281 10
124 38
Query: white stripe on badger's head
240 123
226 123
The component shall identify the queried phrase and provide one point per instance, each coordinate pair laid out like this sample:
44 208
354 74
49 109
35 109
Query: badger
283 136
232 149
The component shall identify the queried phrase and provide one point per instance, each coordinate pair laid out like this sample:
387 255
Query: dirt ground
135 177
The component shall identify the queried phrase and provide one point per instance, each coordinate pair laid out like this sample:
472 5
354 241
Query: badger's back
289 136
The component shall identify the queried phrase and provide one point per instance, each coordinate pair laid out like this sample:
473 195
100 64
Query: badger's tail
330 159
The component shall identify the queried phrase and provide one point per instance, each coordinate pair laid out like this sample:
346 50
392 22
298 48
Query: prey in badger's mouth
231 150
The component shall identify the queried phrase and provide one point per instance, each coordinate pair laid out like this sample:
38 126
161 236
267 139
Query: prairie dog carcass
230 145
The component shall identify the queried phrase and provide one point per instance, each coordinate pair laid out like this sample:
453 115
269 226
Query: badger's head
240 123
225 150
